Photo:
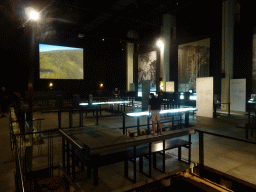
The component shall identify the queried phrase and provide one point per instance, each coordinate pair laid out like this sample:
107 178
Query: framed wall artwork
193 62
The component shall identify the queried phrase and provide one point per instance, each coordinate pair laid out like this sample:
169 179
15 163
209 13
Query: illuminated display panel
144 113
60 62
105 103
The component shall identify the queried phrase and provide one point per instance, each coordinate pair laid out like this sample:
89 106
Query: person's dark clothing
155 103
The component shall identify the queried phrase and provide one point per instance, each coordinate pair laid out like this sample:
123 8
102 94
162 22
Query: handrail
201 146
76 145
19 164
145 124
27 133
228 137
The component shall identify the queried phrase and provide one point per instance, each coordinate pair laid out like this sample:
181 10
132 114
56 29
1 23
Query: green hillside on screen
66 64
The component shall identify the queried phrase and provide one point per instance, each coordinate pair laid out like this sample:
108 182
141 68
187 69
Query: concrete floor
232 157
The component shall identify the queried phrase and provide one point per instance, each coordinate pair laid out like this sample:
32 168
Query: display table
111 103
96 143
173 112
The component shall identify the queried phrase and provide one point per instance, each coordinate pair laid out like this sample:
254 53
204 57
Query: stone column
227 50
168 34
129 59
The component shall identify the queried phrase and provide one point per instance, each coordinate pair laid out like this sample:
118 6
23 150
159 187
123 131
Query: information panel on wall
237 94
170 86
193 62
147 63
204 93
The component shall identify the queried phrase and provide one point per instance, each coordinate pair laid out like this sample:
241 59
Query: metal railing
22 144
201 145
19 175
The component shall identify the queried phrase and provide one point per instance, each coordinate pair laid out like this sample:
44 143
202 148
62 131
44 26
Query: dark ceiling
109 18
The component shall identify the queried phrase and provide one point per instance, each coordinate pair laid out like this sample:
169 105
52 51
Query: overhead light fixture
160 44
32 14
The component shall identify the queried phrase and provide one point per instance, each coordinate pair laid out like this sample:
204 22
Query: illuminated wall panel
204 93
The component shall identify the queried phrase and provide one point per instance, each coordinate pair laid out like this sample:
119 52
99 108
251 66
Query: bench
96 161
129 155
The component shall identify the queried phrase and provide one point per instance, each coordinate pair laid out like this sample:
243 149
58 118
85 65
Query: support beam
227 50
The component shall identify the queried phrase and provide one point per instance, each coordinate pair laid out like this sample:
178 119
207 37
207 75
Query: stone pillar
227 50
168 34
129 64
129 59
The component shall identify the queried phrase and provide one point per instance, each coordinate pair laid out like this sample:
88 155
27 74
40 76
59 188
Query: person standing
3 101
154 108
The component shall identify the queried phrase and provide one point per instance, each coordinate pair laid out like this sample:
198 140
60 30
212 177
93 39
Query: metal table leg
138 126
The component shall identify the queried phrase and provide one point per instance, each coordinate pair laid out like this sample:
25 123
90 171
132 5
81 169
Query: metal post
148 127
73 164
214 111
186 118
97 120
249 115
81 118
134 164
70 119
189 149
201 153
123 123
164 155
138 126
68 159
59 119
172 120
246 132
63 152
149 160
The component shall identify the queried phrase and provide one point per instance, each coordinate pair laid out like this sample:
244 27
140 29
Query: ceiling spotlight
160 44
34 15
31 13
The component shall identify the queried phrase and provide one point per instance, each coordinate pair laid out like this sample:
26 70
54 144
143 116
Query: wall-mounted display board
204 93
169 86
237 94
147 64
193 62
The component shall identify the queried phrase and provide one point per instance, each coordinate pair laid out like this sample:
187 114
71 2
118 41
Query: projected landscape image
59 62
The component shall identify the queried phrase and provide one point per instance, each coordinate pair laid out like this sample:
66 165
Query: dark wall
13 71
